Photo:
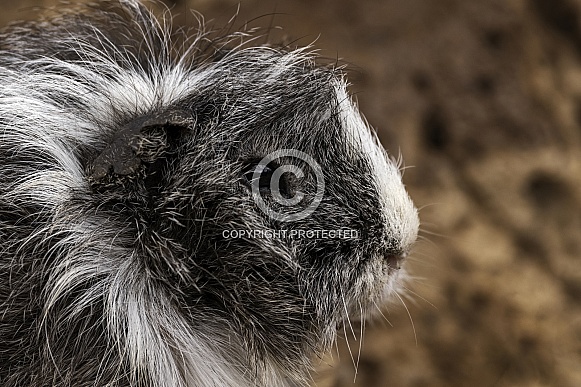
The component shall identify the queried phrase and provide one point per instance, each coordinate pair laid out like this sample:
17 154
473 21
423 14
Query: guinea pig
183 210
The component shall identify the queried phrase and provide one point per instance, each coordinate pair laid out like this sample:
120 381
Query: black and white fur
124 150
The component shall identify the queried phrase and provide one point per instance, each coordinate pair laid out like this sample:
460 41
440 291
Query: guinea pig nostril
394 260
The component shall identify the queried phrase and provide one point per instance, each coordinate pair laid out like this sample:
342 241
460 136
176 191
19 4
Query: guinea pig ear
143 140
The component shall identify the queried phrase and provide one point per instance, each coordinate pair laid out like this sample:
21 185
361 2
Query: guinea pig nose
394 260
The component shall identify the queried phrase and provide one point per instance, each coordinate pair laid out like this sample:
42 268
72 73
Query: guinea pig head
263 201
201 215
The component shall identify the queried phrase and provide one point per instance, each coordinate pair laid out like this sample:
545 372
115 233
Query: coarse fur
125 151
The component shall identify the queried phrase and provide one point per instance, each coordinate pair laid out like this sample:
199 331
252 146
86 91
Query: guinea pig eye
265 175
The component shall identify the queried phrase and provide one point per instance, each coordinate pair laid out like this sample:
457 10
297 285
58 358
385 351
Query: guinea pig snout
394 260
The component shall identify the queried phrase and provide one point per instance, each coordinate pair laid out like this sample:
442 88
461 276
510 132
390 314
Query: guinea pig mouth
383 283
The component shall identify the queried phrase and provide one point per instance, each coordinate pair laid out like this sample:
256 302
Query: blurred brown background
483 99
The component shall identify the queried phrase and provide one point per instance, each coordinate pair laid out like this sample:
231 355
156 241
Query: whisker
361 328
349 349
408 290
381 313
410 316
347 316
